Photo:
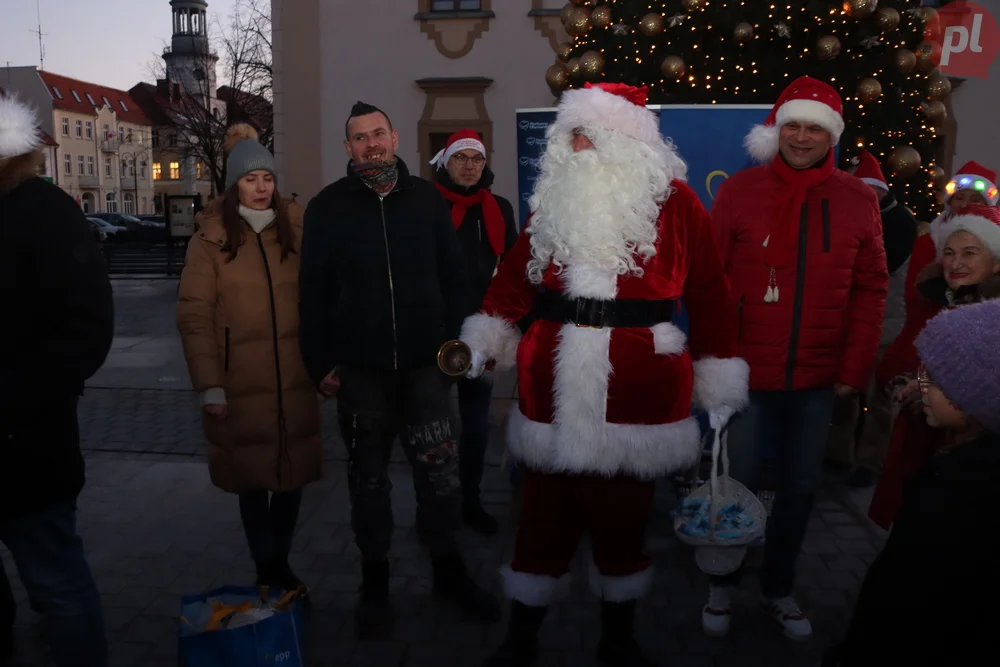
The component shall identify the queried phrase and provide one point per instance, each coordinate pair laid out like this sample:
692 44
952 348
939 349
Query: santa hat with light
616 108
869 170
983 222
460 141
974 176
805 100
19 131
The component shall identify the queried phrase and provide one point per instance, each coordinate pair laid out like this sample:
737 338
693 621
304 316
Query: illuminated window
175 171
157 171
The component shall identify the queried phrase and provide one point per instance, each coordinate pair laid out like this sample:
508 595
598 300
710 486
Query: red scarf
492 216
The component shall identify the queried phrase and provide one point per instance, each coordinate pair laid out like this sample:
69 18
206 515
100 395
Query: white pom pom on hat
19 131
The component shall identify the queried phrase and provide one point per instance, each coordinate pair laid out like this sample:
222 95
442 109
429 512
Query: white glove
478 365
719 417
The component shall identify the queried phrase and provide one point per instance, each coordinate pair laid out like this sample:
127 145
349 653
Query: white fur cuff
494 337
534 590
721 383
621 589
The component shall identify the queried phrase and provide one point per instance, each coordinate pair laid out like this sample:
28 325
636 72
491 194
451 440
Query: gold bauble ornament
905 161
591 65
938 87
565 51
928 56
905 60
743 32
869 90
859 9
557 77
578 24
887 19
673 67
827 47
928 15
582 3
693 5
934 111
573 67
939 178
651 24
601 17
564 14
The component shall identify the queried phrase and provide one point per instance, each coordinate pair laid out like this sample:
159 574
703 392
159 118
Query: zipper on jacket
826 224
739 319
226 364
282 432
392 291
800 283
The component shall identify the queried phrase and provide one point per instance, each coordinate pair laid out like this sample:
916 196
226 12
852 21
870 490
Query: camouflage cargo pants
377 406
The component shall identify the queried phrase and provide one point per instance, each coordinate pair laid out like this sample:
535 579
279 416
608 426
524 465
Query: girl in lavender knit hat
930 598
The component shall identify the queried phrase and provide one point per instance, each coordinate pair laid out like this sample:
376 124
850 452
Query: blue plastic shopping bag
275 640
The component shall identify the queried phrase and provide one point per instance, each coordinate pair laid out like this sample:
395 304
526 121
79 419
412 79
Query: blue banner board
709 137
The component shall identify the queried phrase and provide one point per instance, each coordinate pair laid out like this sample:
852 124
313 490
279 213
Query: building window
90 166
142 169
172 141
90 99
128 204
197 171
68 164
122 102
56 91
456 5
157 171
90 130
144 207
111 203
175 171
107 132
107 167
65 127
79 129
76 96
156 139
79 164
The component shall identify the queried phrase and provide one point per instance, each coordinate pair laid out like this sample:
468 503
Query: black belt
598 314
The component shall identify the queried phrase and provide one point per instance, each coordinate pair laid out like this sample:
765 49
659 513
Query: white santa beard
596 208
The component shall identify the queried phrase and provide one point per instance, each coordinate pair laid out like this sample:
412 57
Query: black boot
617 647
288 581
479 519
520 646
453 584
267 574
373 616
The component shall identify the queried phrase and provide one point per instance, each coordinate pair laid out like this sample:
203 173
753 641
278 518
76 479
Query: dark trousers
377 406
50 559
269 523
474 397
797 423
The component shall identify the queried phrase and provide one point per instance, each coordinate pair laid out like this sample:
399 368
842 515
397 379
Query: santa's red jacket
609 401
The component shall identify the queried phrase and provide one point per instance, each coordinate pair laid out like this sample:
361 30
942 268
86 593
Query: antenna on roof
41 47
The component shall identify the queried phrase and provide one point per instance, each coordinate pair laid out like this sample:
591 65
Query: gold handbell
454 358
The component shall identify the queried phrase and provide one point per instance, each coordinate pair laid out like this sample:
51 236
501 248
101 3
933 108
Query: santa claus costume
606 382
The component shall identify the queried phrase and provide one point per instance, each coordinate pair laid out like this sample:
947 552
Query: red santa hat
615 107
805 100
983 222
19 132
974 176
869 170
460 141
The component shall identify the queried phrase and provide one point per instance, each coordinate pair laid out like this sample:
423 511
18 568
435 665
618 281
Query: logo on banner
966 38
711 177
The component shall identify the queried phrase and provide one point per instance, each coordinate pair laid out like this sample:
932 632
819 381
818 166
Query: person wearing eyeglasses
486 229
965 271
929 598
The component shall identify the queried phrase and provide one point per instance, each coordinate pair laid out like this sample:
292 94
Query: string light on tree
880 54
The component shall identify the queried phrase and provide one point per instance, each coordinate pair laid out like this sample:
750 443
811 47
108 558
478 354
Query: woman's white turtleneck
258 220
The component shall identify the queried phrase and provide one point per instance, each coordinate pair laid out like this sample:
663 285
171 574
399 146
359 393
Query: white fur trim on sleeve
668 339
721 383
495 337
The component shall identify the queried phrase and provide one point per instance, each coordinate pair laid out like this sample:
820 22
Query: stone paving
155 528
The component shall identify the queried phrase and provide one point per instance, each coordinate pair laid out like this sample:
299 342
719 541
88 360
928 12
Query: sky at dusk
110 42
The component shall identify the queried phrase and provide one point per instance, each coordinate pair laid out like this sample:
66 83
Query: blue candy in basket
731 522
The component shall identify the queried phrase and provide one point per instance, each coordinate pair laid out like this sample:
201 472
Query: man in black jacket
486 229
383 285
58 327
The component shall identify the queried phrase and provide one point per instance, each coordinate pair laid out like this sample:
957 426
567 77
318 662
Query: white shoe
786 613
715 615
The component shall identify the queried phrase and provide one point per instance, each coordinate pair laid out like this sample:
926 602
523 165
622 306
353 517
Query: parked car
137 230
109 230
99 234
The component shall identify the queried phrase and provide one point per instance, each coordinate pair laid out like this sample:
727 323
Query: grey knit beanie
960 348
246 156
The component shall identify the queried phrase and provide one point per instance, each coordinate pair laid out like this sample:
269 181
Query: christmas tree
880 54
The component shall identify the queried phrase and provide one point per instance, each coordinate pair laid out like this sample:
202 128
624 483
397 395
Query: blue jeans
269 523
474 397
795 425
49 557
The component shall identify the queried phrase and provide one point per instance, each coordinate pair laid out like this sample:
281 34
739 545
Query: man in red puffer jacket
802 245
